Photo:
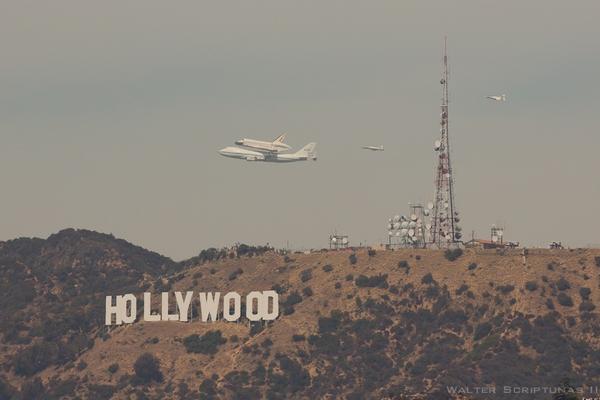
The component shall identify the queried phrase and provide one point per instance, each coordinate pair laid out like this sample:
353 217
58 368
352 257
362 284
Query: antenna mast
444 229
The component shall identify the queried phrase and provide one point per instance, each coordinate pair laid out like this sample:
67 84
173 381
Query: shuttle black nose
239 142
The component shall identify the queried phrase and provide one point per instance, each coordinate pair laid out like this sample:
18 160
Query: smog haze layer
111 115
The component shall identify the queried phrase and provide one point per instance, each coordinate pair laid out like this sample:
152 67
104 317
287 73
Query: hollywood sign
260 306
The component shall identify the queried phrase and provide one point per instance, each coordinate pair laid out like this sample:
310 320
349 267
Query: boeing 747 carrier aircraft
306 153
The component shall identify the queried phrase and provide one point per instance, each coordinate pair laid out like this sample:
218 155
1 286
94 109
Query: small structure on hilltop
496 240
410 230
338 241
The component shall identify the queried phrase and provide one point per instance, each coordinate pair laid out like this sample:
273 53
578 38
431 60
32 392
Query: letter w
209 305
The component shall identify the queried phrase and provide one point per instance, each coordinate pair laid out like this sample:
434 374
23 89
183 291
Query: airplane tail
280 138
308 151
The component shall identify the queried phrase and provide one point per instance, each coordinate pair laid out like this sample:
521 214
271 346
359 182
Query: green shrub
453 254
531 286
585 293
372 281
206 344
563 284
306 275
472 266
482 330
33 389
328 268
35 358
564 300
597 260
328 324
208 389
427 279
463 288
147 368
307 291
257 327
279 288
352 258
586 306
505 289
293 298
112 368
233 275
101 392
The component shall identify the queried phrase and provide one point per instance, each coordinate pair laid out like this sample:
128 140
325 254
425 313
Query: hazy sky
112 112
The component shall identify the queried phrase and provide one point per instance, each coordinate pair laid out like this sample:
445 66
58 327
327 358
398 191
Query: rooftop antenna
445 217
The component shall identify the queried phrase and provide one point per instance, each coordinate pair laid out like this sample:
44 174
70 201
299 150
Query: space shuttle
275 146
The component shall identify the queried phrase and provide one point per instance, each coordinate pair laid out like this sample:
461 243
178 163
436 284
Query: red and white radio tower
444 229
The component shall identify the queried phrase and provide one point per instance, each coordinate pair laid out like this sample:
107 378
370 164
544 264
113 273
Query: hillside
394 324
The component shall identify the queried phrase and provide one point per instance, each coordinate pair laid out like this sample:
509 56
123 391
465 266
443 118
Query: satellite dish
456 219
396 218
413 217
333 240
446 204
397 233
458 235
405 224
427 226
448 236
426 212
430 205
345 240
436 145
411 232
397 225
390 233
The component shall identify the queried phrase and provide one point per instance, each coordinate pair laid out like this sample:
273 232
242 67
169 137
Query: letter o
129 318
250 314
237 306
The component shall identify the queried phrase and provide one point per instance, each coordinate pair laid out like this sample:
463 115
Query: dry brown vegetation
391 324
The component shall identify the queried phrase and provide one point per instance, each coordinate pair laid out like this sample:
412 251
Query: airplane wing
265 151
